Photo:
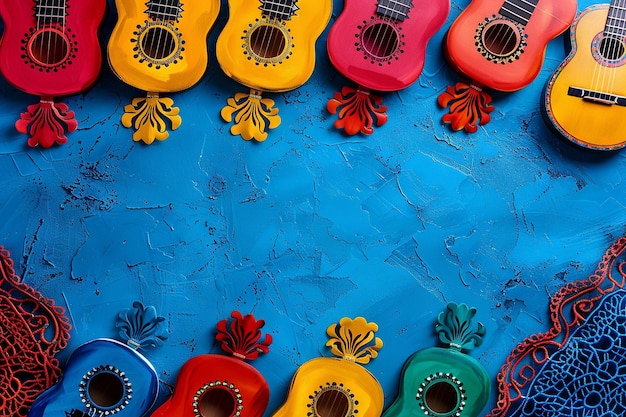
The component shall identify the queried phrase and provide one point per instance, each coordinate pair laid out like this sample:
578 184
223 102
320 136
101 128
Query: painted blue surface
310 225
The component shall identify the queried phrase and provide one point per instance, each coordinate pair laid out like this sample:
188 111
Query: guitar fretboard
164 9
50 11
616 20
278 9
519 11
394 9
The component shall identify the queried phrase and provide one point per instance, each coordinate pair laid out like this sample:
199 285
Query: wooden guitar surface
501 52
51 47
383 48
160 46
586 96
275 50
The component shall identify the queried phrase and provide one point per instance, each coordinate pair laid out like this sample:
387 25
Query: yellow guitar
267 45
159 46
585 98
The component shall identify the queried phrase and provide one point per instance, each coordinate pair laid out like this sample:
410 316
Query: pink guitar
50 48
380 45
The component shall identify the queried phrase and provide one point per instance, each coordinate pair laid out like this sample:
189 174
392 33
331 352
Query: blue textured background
310 225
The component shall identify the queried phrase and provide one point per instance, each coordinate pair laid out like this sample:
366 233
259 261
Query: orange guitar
267 45
339 387
499 45
50 48
221 386
585 98
159 46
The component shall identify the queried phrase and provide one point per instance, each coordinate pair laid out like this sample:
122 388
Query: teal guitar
105 377
445 382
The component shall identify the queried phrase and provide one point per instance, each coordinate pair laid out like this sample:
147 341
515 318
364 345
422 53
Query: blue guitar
105 377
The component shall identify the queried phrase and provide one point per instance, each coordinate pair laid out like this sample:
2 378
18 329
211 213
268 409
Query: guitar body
497 52
102 377
382 53
217 386
271 54
332 387
593 124
58 57
161 55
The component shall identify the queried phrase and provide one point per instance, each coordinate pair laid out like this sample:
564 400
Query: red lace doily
32 331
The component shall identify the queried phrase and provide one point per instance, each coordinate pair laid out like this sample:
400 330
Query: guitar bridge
597 96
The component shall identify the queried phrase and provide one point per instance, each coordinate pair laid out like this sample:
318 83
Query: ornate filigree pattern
150 117
32 331
358 109
530 369
454 326
46 123
469 106
354 340
141 327
242 338
253 114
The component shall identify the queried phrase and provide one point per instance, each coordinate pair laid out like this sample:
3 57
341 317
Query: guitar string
268 40
616 45
607 44
384 32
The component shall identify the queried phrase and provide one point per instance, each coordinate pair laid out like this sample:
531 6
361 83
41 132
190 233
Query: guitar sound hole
48 47
105 390
611 48
158 43
267 41
501 38
216 402
380 40
332 403
441 397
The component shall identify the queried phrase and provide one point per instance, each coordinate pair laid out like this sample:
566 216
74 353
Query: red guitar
220 386
380 45
500 45
50 48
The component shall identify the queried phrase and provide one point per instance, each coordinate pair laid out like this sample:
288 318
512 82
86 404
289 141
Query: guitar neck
167 10
278 9
394 9
50 11
616 20
519 11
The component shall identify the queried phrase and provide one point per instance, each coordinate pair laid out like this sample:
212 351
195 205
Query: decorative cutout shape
140 326
46 123
354 340
469 106
32 331
454 326
252 115
150 117
241 338
578 366
357 110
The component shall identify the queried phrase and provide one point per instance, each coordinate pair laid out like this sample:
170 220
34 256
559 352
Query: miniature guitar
444 381
159 46
585 97
500 45
104 377
380 45
220 386
339 387
48 51
267 45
